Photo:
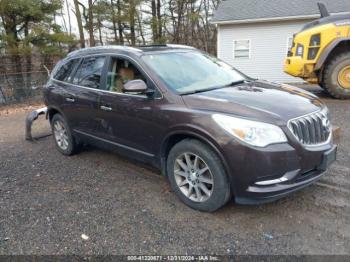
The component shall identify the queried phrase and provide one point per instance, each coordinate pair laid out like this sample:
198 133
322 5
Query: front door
128 119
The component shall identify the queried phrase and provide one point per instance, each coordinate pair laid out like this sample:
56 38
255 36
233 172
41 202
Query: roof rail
97 48
152 45
180 46
166 45
123 47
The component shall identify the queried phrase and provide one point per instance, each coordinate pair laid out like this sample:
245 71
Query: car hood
260 100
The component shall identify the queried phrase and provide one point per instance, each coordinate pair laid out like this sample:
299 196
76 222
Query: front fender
326 52
196 132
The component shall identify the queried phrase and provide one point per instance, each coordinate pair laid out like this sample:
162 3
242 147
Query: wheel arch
175 137
336 47
51 111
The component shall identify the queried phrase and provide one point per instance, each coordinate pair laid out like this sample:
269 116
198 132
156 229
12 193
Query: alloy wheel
193 177
60 134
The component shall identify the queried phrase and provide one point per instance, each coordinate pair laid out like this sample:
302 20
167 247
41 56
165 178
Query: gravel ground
97 202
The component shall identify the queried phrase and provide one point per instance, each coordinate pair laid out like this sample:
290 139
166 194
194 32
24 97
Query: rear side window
89 72
64 72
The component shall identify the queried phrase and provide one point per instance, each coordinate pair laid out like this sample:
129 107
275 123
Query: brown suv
214 132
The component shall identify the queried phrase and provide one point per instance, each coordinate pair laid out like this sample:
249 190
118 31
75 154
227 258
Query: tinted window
63 73
89 72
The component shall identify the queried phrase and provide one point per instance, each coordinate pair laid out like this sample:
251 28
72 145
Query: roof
238 11
120 48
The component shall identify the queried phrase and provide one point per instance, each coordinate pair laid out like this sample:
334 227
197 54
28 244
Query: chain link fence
23 77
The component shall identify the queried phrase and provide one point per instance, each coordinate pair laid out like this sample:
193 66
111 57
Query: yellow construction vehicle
320 53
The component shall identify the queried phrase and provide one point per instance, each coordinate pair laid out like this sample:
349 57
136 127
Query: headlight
254 133
300 50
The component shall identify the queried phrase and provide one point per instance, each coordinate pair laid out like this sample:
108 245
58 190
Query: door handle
106 108
69 99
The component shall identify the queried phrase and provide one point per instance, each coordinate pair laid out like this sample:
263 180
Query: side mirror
135 86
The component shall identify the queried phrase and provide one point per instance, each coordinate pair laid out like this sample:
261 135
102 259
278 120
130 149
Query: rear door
83 94
61 93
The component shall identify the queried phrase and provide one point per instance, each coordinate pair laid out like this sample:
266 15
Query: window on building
241 49
89 72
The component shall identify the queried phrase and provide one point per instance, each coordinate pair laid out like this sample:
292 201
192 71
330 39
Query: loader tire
337 76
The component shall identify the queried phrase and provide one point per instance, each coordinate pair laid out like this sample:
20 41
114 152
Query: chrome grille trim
313 129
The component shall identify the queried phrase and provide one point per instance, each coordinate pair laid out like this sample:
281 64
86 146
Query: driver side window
89 72
120 72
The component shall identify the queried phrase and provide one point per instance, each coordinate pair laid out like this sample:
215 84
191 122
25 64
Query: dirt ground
97 202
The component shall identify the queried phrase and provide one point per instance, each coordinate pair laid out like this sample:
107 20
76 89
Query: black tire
221 186
331 72
322 86
72 146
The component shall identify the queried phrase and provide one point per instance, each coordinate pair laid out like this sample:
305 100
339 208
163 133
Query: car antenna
323 10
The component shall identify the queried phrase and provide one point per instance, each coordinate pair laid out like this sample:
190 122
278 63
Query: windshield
191 72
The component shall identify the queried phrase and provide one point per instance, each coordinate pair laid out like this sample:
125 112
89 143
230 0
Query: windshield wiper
214 88
199 90
237 83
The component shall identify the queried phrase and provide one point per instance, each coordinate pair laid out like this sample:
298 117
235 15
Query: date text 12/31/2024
173 258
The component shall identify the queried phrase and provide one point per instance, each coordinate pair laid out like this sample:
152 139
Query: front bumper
262 195
294 66
264 175
298 67
31 117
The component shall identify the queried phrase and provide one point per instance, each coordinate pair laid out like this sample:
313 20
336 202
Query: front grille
312 129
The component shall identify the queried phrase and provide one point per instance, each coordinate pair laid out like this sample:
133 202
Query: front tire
197 176
63 137
337 76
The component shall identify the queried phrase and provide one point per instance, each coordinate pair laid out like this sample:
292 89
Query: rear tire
197 176
64 140
337 76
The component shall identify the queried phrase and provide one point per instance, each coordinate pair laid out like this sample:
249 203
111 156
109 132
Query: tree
132 16
156 22
29 24
120 20
80 23
101 14
69 21
91 23
114 20
123 21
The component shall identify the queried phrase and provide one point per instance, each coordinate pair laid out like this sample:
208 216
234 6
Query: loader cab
337 19
320 53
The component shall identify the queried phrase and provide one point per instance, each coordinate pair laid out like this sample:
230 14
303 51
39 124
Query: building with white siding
254 35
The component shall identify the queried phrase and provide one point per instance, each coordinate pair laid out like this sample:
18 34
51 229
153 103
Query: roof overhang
263 20
270 19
